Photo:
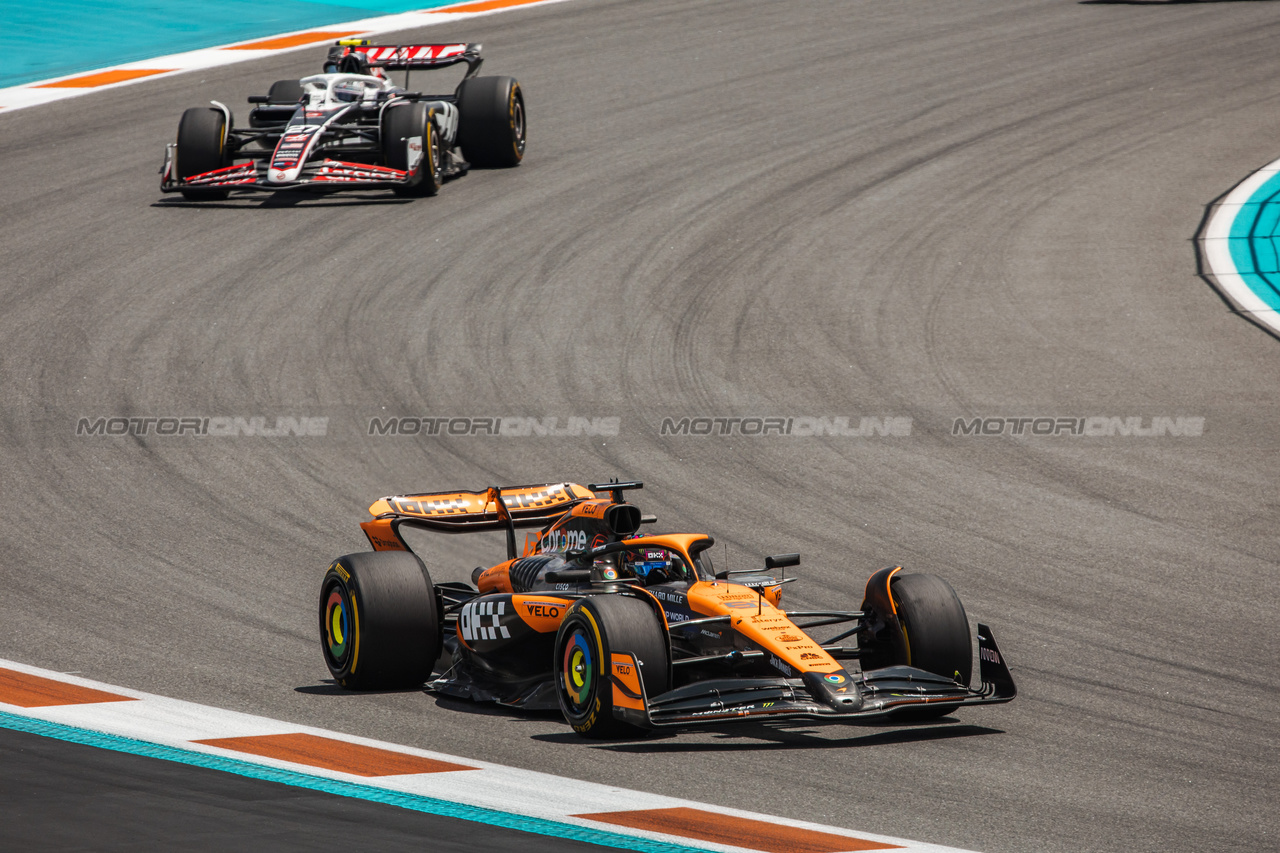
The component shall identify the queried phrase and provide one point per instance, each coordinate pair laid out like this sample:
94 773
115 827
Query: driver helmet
350 90
649 560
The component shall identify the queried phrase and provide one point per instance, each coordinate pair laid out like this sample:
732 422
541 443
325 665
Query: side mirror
782 561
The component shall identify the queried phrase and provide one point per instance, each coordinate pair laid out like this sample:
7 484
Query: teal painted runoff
414 802
1254 241
56 38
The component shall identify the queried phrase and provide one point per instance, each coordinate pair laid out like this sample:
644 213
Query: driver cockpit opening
653 565
321 89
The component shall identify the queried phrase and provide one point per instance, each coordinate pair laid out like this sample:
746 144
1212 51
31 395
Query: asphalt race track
928 209
68 796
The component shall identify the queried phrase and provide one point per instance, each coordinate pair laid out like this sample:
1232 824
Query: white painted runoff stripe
1217 244
77 709
59 88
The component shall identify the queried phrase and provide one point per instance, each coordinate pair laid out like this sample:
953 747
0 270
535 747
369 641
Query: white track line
1216 243
511 794
54 89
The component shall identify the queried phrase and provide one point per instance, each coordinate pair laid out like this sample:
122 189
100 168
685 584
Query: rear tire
379 623
491 123
401 123
592 631
202 140
936 631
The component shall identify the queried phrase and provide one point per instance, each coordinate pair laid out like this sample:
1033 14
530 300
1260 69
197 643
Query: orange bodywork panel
382 536
591 509
496 579
762 623
626 683
542 613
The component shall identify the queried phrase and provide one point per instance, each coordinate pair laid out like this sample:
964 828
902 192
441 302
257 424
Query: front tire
401 124
935 626
202 143
592 631
491 123
934 636
379 623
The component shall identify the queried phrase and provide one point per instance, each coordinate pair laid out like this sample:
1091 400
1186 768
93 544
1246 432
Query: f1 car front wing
321 174
875 695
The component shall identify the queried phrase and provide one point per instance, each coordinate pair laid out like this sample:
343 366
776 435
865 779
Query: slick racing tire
936 631
491 122
935 625
592 631
379 622
285 92
401 123
202 143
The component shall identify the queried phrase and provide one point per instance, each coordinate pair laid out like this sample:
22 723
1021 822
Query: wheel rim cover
517 122
336 626
577 670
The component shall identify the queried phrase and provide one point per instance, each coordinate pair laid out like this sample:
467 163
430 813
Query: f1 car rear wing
407 57
495 508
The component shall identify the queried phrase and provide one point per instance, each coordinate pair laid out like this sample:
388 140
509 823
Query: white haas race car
351 127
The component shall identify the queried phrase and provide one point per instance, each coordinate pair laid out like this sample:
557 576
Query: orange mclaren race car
627 633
